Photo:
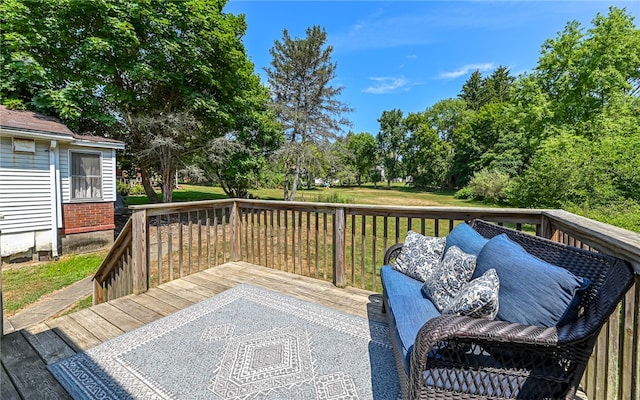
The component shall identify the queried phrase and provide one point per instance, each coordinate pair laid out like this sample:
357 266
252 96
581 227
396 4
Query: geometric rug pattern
244 343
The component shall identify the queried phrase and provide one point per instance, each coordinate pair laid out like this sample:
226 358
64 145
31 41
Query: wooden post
139 249
339 248
98 293
234 221
546 228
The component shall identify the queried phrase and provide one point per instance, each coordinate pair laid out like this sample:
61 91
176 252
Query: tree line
565 135
173 81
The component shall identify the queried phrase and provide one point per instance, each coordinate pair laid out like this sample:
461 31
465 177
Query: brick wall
87 217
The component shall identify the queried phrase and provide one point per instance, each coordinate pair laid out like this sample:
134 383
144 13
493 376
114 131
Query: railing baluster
363 251
317 265
258 234
159 247
339 243
273 265
324 221
308 243
180 245
265 220
199 240
385 220
253 236
170 245
278 241
215 236
286 240
293 240
225 212
190 244
245 218
208 225
353 249
375 253
299 242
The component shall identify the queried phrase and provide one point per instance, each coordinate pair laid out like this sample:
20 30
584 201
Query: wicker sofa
457 357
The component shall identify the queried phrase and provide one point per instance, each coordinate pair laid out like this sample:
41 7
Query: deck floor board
25 353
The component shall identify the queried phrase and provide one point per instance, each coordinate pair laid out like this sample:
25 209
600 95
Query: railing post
339 247
139 251
546 228
98 293
234 220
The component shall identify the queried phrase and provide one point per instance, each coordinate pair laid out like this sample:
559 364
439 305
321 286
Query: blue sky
410 54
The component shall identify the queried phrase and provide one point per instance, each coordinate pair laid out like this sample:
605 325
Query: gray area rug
245 343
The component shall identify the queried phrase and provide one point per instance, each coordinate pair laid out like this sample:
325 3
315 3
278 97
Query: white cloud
386 84
412 56
466 69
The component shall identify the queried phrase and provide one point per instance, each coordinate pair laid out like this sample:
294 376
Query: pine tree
302 97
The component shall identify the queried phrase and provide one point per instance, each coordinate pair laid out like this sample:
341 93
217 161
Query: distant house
57 188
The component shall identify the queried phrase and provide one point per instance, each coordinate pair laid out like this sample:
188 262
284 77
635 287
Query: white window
86 176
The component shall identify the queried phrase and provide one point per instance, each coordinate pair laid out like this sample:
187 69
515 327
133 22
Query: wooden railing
345 244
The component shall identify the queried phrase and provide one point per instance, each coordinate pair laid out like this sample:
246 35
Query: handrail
115 251
111 268
603 237
344 243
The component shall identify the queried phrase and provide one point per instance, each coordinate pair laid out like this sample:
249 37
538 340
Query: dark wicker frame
466 358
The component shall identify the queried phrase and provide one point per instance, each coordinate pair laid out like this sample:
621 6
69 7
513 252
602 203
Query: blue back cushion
532 292
466 238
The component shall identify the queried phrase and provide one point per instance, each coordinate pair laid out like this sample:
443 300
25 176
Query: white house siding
25 199
108 171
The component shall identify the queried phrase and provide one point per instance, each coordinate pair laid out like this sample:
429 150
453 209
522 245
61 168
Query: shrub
14 104
136 190
489 185
465 193
122 188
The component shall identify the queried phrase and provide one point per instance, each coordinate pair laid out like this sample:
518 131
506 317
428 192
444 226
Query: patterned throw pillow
419 254
478 298
448 276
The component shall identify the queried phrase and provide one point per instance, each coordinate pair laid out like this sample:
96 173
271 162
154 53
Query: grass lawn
399 194
25 285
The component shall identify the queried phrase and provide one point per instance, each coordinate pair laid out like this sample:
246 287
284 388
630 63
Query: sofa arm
392 253
491 358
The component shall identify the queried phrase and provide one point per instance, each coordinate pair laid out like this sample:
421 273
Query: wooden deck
26 353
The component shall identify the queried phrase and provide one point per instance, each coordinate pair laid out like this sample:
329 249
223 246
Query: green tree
302 97
426 155
583 72
362 154
498 85
121 68
391 138
473 91
447 117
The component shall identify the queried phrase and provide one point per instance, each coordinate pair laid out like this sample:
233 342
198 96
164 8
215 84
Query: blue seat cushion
466 238
532 291
396 283
408 309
